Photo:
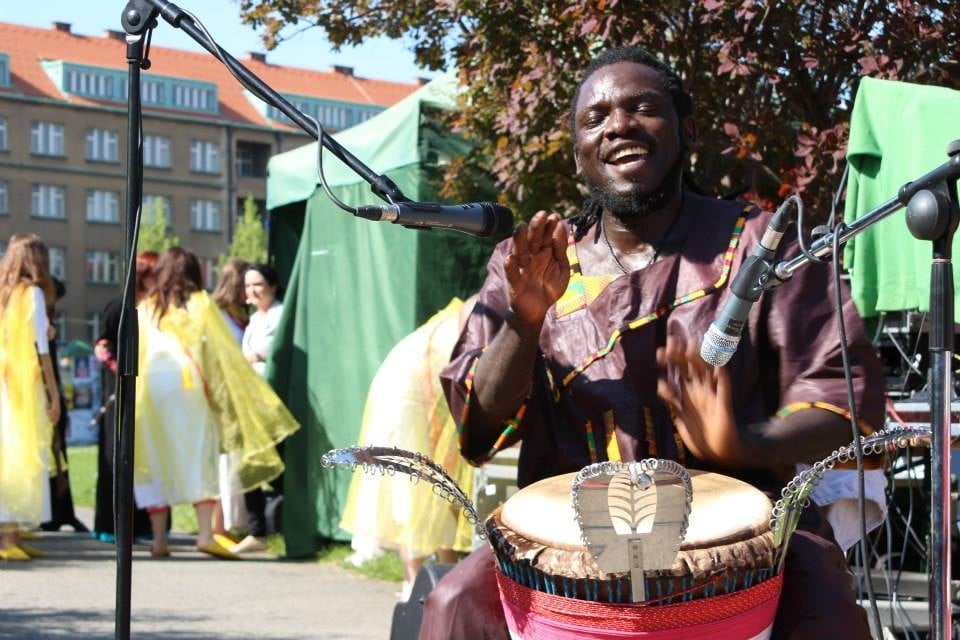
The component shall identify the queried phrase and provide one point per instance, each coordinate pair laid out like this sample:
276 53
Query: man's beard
636 204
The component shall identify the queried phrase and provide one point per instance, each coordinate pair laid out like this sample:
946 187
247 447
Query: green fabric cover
898 132
355 288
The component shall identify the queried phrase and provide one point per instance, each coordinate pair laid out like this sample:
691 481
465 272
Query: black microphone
752 279
484 219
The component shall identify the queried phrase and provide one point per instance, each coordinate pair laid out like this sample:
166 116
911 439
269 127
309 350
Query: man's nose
618 122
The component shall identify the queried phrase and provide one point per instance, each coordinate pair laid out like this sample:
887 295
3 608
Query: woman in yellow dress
196 397
29 399
406 409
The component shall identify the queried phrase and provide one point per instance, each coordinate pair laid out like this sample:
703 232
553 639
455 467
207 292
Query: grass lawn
83 483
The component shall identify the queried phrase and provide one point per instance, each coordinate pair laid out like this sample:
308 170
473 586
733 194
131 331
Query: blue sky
383 59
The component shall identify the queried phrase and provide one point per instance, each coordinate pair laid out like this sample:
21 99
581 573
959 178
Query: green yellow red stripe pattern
667 308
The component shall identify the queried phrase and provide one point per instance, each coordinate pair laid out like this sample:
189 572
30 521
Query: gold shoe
225 540
13 553
32 552
214 549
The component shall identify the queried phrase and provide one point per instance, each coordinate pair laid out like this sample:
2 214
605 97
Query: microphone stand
138 18
933 213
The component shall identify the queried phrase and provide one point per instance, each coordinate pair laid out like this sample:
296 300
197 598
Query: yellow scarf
25 430
250 418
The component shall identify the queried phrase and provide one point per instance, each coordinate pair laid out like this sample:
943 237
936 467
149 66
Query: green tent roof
385 142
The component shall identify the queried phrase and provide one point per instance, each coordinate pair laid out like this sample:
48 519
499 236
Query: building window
252 159
194 98
94 322
151 92
87 83
208 272
47 201
60 326
150 204
3 134
205 215
103 267
46 139
103 206
3 199
204 156
102 145
58 263
156 151
4 70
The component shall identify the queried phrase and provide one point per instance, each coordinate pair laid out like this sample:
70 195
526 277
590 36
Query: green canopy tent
354 289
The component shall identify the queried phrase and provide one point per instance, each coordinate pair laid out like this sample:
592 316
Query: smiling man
584 341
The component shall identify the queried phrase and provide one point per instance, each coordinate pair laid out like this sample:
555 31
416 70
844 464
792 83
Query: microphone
484 219
752 279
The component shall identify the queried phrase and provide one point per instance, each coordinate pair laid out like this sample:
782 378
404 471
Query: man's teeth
629 151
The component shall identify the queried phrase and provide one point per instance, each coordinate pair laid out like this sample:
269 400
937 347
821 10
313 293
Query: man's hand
537 269
698 395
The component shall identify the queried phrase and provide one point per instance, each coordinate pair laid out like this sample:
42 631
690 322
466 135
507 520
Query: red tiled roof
26 47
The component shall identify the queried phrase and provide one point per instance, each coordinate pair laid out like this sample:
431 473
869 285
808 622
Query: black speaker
407 615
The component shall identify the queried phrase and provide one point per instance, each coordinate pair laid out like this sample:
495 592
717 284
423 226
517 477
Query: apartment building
206 141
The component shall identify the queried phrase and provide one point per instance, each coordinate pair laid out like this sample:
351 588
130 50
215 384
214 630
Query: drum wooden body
725 568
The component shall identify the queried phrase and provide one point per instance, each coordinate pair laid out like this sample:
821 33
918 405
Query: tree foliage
156 234
250 236
773 82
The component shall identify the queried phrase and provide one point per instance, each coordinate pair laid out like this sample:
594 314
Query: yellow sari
25 430
196 391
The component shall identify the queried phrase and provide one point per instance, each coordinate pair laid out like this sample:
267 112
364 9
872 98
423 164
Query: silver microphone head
718 347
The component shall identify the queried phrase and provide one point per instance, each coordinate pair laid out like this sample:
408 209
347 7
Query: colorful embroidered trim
794 407
591 442
581 289
651 432
613 446
664 310
511 425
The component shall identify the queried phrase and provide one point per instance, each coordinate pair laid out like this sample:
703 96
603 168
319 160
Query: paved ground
71 594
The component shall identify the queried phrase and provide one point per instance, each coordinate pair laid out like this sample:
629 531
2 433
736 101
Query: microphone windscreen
502 221
717 347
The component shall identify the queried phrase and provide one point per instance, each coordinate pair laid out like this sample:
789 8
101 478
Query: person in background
230 511
262 290
29 397
406 409
105 351
195 396
62 512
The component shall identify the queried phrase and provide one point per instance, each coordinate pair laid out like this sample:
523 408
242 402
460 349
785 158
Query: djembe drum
720 577
576 559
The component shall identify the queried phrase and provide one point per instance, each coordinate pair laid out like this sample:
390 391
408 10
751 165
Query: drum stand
933 213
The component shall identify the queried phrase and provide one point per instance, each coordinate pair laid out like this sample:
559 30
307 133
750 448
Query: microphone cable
836 228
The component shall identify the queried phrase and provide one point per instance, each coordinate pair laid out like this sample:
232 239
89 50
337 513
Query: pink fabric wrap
745 615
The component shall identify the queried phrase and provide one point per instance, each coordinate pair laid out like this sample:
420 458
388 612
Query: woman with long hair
230 511
196 397
230 296
29 398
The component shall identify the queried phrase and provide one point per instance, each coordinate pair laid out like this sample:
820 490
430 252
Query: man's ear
576 159
689 133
